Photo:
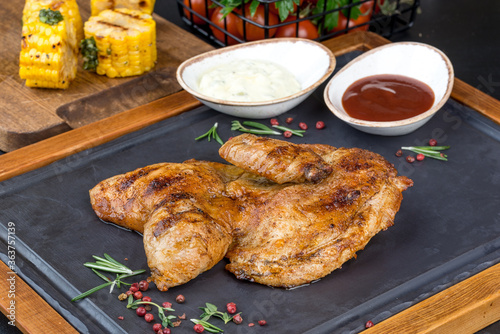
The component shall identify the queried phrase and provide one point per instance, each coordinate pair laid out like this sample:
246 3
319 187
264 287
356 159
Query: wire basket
314 19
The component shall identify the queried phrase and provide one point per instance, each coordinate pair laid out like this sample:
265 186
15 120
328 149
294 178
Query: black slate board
448 227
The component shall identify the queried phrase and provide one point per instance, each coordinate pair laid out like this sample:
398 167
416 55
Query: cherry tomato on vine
231 26
306 29
364 17
253 32
200 7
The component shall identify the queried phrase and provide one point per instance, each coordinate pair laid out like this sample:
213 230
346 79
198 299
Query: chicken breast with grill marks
284 215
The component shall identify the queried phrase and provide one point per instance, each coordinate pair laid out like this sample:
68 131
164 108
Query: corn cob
49 45
145 6
125 41
68 8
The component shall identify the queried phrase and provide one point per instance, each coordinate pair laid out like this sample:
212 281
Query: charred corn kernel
145 6
49 43
125 41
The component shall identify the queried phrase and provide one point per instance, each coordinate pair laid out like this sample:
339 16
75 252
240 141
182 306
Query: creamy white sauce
248 81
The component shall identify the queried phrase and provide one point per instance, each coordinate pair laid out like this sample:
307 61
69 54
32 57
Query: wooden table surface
28 114
463 308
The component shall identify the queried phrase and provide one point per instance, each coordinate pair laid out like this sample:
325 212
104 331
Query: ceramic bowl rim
329 70
392 124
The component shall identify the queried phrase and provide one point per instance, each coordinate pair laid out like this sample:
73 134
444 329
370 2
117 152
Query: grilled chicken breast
284 214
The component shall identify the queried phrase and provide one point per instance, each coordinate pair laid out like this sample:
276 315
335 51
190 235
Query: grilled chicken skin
284 215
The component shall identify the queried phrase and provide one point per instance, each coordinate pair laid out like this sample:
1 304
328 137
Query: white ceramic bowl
416 60
310 62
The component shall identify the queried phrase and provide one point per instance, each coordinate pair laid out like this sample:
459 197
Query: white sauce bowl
415 60
310 62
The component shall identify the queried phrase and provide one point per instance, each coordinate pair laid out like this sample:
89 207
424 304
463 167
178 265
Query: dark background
467 31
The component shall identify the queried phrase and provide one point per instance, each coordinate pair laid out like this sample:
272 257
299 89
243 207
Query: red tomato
366 14
231 26
253 32
200 7
306 29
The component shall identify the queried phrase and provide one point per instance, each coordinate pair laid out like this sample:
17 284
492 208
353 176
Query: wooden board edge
42 153
464 308
476 99
27 311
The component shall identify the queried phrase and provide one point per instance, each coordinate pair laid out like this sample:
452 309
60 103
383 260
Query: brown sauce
387 97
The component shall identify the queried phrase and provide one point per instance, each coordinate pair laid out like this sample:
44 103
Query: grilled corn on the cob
49 45
125 41
145 6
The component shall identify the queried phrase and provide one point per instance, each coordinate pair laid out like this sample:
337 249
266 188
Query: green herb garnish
211 310
253 127
50 17
89 52
212 133
429 151
295 132
208 326
166 320
108 264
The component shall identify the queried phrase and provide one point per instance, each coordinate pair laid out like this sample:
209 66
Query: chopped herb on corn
125 40
49 44
145 6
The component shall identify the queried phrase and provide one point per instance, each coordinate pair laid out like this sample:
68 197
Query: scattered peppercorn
237 319
198 328
128 293
157 327
262 322
274 121
143 285
148 307
166 331
289 120
410 158
369 324
122 296
231 308
320 125
420 157
287 134
149 317
180 299
303 126
120 318
140 311
251 324
134 287
432 142
399 153
138 295
166 305
146 299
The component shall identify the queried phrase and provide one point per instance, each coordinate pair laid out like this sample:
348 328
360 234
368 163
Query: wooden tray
28 115
466 307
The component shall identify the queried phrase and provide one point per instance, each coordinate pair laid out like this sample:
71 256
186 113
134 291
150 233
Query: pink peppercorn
149 317
166 305
369 324
138 295
289 120
231 308
140 311
274 121
432 142
157 327
410 159
303 126
320 125
146 299
262 322
143 285
134 287
120 318
198 328
287 134
237 319
420 157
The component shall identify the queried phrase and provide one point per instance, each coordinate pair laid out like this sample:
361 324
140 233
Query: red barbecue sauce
387 97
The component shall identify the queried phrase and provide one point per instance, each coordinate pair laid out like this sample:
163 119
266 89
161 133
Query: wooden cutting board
28 115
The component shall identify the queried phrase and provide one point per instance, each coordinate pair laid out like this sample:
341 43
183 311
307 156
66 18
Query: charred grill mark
128 181
172 198
341 198
143 4
161 183
170 221
112 25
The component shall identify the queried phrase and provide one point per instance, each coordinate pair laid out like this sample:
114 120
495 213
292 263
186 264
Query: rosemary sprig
165 319
429 151
258 128
208 326
295 132
108 264
211 310
212 133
